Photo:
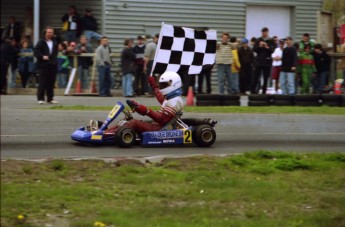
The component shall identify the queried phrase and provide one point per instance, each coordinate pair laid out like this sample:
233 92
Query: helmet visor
163 85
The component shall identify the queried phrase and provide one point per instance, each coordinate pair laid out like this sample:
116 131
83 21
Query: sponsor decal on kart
167 134
187 136
114 111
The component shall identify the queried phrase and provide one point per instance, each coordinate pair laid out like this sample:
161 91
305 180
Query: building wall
124 19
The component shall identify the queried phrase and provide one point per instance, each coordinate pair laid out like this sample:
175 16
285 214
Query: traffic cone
78 87
337 87
93 88
190 96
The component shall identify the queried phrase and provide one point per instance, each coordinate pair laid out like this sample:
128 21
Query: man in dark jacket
246 57
8 52
46 52
72 19
264 48
13 30
289 64
89 25
322 63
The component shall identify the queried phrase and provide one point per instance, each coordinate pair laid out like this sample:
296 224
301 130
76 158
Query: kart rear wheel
204 136
125 137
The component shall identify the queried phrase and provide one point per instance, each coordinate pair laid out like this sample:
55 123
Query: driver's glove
140 109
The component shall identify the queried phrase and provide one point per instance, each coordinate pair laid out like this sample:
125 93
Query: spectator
46 52
246 57
276 41
277 64
26 63
28 25
306 41
103 62
252 43
63 64
140 80
14 65
322 63
13 30
289 64
89 24
7 53
264 48
84 63
235 67
307 64
128 58
343 61
72 21
205 73
150 51
224 59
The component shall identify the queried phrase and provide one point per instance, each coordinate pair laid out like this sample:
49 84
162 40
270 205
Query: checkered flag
184 50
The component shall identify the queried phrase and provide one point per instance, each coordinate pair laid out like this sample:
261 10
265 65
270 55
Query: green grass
252 189
232 109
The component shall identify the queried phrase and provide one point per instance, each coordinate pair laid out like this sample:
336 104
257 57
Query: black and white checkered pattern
184 50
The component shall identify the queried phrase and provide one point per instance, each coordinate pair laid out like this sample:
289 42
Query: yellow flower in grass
99 224
20 217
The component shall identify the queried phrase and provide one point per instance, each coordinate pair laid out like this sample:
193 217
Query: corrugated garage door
276 18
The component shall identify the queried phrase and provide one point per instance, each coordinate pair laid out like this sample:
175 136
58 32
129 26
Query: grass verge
252 189
232 109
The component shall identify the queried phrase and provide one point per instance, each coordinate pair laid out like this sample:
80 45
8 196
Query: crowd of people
301 67
242 66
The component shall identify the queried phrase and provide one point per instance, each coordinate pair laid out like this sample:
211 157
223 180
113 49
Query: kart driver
168 95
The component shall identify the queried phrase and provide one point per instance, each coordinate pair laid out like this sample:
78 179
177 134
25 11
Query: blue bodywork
176 136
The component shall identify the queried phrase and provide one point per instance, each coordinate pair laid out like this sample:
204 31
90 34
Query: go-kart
181 131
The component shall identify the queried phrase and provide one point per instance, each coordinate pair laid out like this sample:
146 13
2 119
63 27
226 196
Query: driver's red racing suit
169 109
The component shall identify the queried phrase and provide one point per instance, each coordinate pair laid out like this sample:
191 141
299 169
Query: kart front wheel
125 137
204 135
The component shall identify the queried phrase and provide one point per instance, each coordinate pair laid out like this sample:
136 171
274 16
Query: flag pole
157 49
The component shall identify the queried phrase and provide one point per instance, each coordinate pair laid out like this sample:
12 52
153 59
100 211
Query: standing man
8 52
150 52
140 80
84 63
103 65
289 64
89 25
246 57
264 48
46 51
323 68
224 60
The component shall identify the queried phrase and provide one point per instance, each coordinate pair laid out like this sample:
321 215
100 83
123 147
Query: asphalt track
30 131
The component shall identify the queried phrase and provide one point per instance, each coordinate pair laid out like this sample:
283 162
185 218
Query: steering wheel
127 114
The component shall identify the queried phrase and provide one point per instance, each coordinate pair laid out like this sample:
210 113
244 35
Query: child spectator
26 63
63 64
307 67
277 64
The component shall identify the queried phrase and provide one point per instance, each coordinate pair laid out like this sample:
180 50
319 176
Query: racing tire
259 103
208 97
204 136
125 137
208 102
230 103
331 98
283 103
290 98
230 97
306 103
262 97
331 103
307 98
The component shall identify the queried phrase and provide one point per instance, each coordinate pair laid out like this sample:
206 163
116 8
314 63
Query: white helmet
169 82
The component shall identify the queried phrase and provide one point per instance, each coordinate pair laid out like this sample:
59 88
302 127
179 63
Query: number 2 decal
187 136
